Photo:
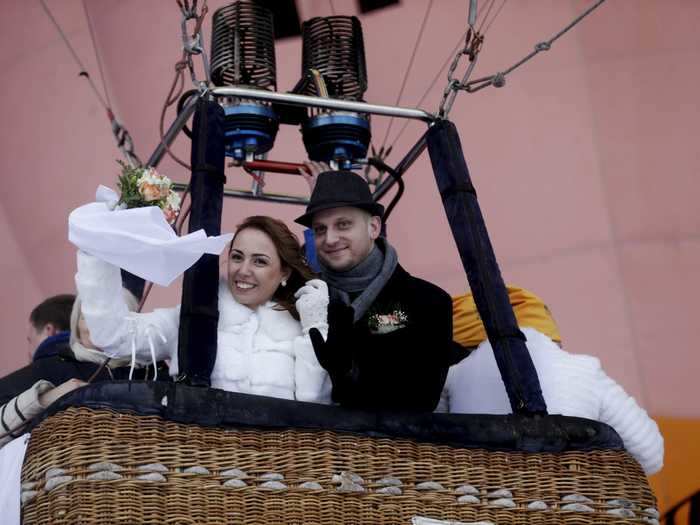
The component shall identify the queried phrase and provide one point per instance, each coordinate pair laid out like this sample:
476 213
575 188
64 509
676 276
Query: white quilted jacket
572 385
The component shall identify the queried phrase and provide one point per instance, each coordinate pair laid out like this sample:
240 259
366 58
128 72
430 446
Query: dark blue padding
199 315
479 261
217 408
52 346
310 250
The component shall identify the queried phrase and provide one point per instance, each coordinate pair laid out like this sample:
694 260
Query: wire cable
188 12
83 69
97 53
498 12
382 167
121 134
430 87
482 16
408 69
176 89
486 15
498 79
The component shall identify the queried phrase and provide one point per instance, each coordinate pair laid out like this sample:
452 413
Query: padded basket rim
217 408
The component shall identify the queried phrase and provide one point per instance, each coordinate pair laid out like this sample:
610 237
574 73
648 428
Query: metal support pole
324 103
173 131
249 195
405 163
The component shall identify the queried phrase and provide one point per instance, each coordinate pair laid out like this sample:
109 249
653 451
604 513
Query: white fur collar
279 325
231 312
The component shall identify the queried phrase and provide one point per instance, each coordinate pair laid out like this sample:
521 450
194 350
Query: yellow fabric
530 311
679 477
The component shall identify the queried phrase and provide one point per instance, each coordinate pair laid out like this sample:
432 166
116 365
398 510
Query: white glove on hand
312 304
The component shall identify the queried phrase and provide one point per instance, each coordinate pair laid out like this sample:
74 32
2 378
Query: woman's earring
284 282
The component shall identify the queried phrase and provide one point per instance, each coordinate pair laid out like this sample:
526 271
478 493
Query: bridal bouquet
141 187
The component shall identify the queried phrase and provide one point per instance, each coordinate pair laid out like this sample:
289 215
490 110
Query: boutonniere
384 323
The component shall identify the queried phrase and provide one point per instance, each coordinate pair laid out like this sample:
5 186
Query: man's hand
311 171
335 353
47 398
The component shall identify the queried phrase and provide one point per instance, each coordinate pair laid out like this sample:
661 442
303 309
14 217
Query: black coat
60 368
405 367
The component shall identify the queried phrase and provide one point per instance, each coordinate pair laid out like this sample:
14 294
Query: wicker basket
167 472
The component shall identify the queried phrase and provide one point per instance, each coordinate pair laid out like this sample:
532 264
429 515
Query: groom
390 333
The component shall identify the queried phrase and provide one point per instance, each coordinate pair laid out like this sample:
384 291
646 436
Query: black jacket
60 368
399 349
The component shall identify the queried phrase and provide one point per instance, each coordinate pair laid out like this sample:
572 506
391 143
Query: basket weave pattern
77 438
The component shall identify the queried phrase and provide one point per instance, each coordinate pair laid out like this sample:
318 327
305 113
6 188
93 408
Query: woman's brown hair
290 253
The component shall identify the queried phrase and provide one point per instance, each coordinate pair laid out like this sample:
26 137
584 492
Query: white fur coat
262 351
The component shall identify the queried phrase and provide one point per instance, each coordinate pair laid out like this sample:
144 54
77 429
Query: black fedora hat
336 189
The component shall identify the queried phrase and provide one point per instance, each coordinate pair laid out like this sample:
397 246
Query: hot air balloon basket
96 466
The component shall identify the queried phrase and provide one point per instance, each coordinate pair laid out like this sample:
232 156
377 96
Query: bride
267 305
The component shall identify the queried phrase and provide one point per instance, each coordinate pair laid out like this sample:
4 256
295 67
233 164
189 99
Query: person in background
18 411
47 334
572 384
73 362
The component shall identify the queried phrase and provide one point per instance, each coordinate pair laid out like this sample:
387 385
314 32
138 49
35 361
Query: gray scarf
368 277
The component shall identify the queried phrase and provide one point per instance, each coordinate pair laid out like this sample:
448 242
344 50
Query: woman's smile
243 285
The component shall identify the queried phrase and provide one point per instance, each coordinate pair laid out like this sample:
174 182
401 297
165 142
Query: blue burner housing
249 128
340 137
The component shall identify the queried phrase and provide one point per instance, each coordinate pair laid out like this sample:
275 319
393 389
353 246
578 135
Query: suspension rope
489 6
174 93
97 53
83 70
191 45
121 134
408 71
498 79
473 19
498 12
430 87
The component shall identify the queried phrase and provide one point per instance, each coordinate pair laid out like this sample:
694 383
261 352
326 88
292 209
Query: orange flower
152 192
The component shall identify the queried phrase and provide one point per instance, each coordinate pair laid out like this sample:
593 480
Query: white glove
312 305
